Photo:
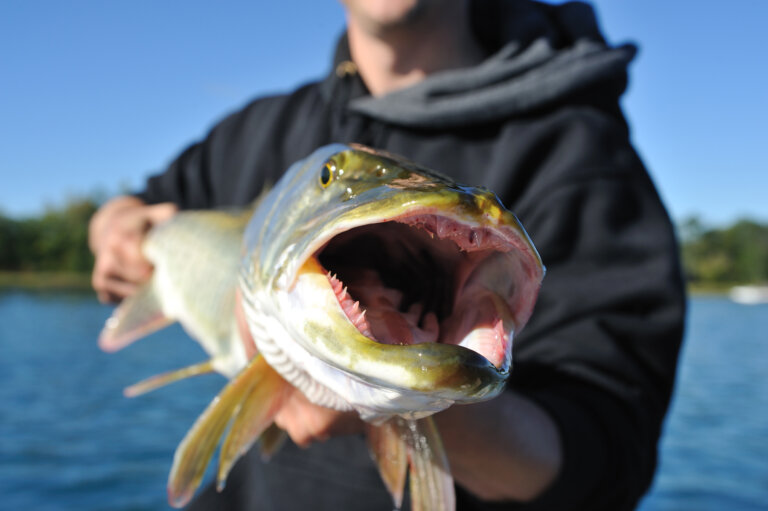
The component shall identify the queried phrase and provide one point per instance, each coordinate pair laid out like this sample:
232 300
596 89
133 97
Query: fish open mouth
426 277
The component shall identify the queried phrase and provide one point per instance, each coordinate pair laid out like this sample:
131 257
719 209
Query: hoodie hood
540 55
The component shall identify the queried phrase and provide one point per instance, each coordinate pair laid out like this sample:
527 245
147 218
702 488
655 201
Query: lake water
69 440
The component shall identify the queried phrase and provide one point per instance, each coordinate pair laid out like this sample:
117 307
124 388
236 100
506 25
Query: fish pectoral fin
270 441
161 380
254 417
136 317
390 452
196 449
431 482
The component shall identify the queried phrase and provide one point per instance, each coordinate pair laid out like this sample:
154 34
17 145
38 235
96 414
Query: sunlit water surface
69 440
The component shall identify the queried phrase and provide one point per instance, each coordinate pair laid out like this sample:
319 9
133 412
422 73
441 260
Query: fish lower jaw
326 385
480 328
323 383
351 308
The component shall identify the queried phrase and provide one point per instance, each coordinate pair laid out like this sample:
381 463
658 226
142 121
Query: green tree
9 232
734 254
55 241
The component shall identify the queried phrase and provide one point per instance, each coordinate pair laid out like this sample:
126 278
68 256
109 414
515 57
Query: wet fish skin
301 332
195 256
298 217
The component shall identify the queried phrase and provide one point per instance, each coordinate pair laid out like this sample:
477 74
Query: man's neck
394 57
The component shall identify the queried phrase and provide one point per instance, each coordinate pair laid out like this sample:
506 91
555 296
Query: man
521 98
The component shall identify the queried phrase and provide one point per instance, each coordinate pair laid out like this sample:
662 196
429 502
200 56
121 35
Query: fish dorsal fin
196 449
161 380
136 317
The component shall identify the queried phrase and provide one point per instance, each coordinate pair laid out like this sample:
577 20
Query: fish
195 258
368 283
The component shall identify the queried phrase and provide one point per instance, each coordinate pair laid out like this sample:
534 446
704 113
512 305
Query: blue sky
97 95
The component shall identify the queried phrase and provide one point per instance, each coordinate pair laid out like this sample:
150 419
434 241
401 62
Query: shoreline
45 281
81 282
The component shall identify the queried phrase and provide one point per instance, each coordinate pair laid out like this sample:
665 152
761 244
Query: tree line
57 241
736 254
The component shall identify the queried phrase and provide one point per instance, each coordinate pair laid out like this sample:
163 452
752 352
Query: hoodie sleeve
191 180
600 352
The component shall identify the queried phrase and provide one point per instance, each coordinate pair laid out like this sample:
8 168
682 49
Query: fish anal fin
270 441
255 415
390 452
431 482
137 316
196 449
161 380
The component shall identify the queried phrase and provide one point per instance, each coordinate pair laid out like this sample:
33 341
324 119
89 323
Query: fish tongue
388 325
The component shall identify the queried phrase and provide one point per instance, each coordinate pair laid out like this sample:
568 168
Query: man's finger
242 327
113 290
109 268
158 213
131 265
291 420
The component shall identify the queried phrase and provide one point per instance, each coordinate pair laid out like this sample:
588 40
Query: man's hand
306 422
115 235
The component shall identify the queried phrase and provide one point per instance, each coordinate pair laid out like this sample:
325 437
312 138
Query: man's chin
384 15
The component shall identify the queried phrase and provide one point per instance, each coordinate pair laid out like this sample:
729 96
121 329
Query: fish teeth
360 319
477 237
442 229
362 324
335 283
431 220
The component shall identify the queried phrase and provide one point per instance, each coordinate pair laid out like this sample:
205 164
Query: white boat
749 295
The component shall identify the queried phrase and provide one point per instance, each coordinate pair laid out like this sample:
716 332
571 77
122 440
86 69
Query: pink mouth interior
426 278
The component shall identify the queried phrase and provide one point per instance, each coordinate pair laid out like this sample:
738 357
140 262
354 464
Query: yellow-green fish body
195 256
351 213
368 283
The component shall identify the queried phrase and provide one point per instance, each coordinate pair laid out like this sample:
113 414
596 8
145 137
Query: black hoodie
538 123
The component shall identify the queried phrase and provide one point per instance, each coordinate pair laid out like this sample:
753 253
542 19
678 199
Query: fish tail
136 317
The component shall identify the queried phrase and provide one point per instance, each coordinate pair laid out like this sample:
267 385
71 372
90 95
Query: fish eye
326 174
